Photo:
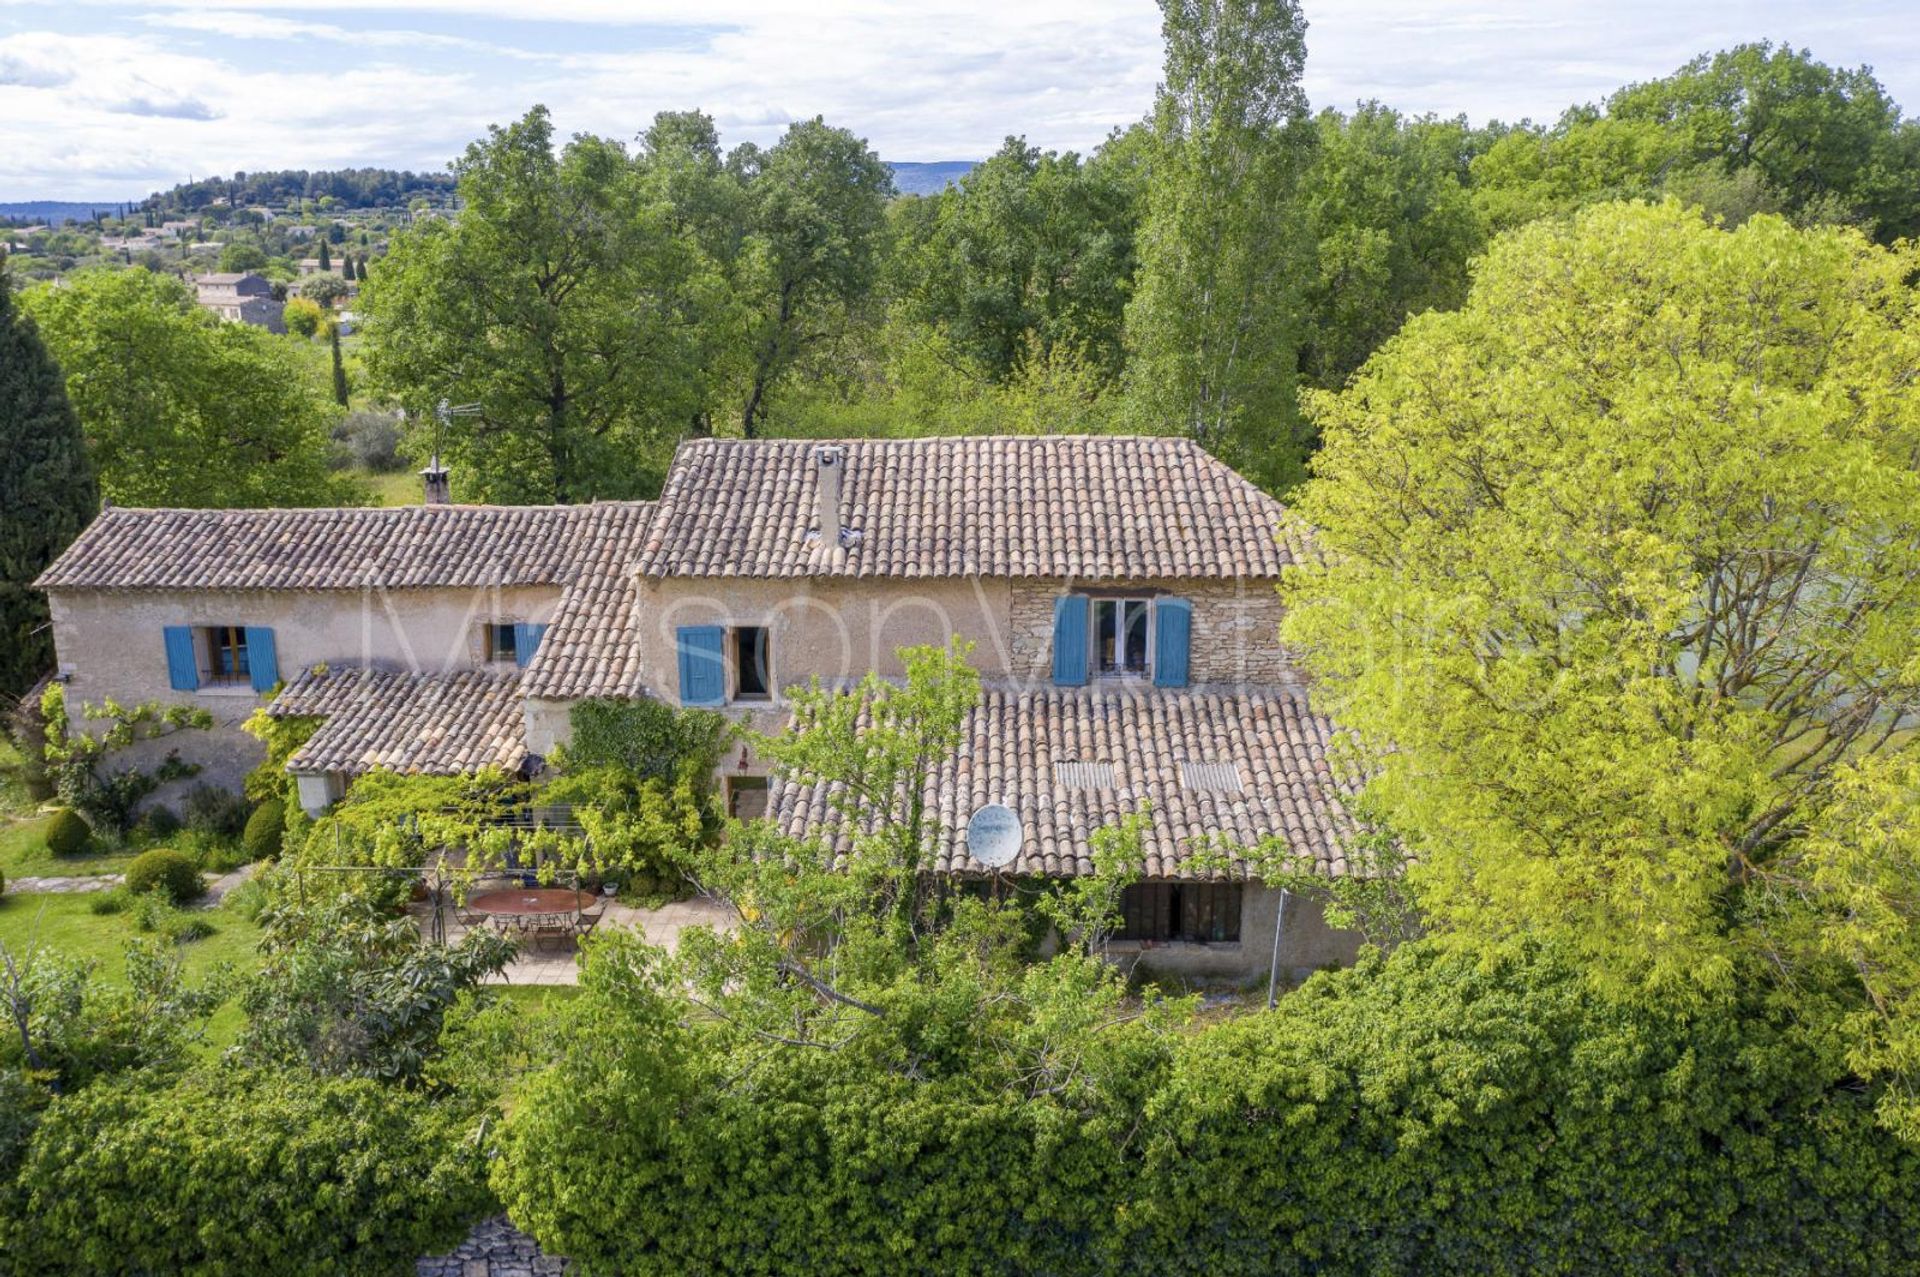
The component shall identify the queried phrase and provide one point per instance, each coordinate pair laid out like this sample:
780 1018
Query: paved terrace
560 963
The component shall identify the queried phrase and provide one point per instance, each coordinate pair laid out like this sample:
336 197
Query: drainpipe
1273 973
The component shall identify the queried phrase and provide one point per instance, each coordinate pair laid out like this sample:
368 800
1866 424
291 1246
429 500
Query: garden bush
371 440
209 809
1432 1112
68 835
158 823
265 830
153 913
230 1172
169 872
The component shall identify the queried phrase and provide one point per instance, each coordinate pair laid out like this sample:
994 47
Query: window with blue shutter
263 663
526 641
182 674
703 675
1070 640
1172 635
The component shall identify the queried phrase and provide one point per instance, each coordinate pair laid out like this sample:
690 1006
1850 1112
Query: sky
108 101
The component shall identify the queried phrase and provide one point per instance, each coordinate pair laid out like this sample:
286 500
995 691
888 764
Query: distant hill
54 212
912 178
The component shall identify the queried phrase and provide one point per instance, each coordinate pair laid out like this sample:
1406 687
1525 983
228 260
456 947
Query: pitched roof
398 548
1090 507
1031 750
436 724
592 648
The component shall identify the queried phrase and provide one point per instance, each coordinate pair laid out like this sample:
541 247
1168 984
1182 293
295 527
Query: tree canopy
179 409
47 491
1621 582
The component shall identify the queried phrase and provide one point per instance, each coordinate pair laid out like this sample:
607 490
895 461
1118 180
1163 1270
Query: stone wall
495 1248
1235 638
113 645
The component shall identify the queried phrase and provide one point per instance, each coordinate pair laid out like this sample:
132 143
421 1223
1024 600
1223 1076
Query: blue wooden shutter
703 678
182 675
1070 640
1172 632
526 641
263 663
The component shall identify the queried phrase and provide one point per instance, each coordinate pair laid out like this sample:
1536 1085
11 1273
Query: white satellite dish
994 836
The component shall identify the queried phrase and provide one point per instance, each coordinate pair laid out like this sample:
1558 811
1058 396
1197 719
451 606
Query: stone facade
111 644
1307 944
1235 639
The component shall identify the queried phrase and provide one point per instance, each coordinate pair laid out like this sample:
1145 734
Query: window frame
1119 602
739 784
491 651
213 640
1164 908
735 633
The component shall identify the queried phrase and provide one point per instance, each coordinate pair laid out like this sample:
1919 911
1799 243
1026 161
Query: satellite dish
994 836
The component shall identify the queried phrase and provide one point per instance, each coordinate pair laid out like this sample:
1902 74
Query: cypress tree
47 491
339 367
326 261
346 266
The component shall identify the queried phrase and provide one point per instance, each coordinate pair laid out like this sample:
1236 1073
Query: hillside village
659 703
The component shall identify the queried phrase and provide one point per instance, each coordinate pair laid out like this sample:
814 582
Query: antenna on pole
439 488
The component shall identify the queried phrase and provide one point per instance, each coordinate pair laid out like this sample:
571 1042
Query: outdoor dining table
526 900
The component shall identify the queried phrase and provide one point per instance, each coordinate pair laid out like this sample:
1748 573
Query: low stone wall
495 1248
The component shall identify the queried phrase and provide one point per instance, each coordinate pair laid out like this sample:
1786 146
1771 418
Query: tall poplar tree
47 493
1213 324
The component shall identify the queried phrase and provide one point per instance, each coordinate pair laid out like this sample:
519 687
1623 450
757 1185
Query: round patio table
522 900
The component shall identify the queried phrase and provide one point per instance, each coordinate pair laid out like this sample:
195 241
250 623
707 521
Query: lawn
65 924
24 854
402 487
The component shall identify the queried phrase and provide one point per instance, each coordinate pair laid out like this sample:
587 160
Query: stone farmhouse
1119 593
241 299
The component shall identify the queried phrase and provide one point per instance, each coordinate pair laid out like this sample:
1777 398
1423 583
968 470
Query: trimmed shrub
231 1172
69 835
169 872
265 830
211 810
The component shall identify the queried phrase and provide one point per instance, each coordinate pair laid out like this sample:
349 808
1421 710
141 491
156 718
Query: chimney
439 488
829 463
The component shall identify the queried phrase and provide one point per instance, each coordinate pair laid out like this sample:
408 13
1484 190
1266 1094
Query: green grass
64 924
24 854
402 487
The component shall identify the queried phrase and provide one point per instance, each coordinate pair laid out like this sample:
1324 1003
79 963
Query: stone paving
560 964
64 886
495 1248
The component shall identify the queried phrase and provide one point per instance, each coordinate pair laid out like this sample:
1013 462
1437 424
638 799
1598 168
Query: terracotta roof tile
1092 507
1025 748
436 724
400 547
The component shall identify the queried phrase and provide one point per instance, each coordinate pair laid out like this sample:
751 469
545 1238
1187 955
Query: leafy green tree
1213 327
1621 581
556 303
1031 251
818 208
47 492
179 409
303 316
1393 226
239 257
349 990
323 289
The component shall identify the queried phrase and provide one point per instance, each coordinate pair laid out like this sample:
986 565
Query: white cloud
225 84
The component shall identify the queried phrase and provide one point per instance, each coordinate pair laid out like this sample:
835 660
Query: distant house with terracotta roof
1119 593
243 298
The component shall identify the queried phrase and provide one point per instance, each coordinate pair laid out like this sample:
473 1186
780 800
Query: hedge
1431 1113
236 1174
